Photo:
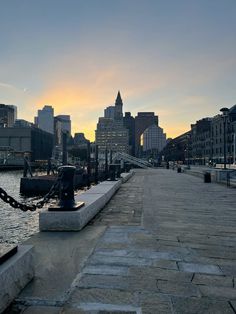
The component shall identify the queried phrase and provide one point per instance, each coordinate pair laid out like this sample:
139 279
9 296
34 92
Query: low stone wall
15 273
95 199
126 176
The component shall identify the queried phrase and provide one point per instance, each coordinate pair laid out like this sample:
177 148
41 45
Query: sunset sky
174 57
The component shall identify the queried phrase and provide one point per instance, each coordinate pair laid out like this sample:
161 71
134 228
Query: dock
165 243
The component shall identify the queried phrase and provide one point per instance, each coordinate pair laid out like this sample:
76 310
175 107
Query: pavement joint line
232 307
108 307
38 302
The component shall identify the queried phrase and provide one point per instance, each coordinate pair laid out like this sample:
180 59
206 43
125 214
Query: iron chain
31 207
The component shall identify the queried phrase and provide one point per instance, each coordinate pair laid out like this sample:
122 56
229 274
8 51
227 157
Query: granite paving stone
42 309
200 268
106 270
166 264
98 295
178 288
212 280
119 260
218 292
158 273
103 281
230 269
200 306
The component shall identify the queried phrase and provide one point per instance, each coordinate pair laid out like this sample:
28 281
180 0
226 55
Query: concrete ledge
126 176
15 273
95 199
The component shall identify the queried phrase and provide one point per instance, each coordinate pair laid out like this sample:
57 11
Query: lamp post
188 155
225 112
234 149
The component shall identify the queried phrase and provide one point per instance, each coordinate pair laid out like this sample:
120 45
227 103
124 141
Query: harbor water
15 225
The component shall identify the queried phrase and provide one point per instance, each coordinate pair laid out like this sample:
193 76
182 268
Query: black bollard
66 191
118 171
110 156
112 172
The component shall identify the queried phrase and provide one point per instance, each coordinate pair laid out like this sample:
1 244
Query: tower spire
118 107
119 99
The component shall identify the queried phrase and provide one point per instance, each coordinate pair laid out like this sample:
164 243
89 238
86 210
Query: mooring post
66 191
110 156
112 172
118 171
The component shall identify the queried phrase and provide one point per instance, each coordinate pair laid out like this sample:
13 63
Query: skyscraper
142 121
118 108
129 124
62 123
45 119
110 133
109 112
8 115
154 139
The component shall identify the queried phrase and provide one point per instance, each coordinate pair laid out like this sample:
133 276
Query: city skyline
176 59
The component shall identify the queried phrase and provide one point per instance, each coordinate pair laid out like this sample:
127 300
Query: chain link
31 207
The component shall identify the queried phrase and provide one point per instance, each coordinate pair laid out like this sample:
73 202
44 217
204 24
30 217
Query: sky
174 57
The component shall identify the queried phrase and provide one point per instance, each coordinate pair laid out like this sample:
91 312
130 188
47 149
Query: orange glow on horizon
86 105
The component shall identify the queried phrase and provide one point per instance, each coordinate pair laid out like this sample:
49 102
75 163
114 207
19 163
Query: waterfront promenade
165 243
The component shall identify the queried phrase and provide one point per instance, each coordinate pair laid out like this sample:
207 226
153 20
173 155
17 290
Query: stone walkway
166 245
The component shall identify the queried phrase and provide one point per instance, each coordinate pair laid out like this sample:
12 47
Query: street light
188 155
225 112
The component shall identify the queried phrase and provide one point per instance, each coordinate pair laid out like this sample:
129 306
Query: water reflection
15 225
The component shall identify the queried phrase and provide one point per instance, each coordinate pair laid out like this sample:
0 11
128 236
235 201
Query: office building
36 142
45 119
109 112
129 123
62 123
154 139
8 115
110 133
142 121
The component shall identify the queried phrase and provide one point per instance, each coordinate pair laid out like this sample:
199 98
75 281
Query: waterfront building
178 149
217 137
45 119
32 140
8 115
204 143
154 139
111 133
142 121
201 143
